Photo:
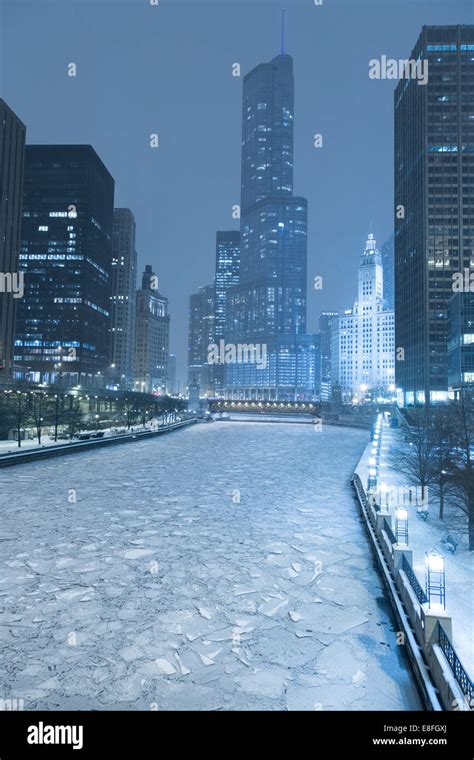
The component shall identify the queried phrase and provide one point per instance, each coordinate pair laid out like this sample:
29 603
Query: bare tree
443 440
462 465
39 410
128 408
72 415
144 408
19 405
416 457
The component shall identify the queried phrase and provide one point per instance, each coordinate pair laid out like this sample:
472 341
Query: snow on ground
427 535
11 447
133 578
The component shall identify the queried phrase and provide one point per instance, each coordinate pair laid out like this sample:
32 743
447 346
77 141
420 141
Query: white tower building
363 338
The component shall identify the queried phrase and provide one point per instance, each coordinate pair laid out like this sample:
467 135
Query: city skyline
318 172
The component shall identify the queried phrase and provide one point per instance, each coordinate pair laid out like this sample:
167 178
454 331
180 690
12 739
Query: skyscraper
201 336
362 349
388 265
152 331
12 159
268 307
63 320
325 319
434 199
227 275
124 285
461 341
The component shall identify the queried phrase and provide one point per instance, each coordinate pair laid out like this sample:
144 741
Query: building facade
267 309
290 369
122 300
434 205
227 276
152 330
362 351
201 335
325 319
63 320
388 265
461 341
12 160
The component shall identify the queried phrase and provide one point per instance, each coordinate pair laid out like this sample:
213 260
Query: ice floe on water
157 590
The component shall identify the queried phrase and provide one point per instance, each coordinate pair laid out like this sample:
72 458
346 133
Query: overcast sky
167 69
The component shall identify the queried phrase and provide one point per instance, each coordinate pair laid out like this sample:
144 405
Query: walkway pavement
427 535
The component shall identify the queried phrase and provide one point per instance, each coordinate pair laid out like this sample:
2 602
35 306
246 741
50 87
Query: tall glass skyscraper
12 159
461 342
388 264
66 254
268 307
124 285
434 198
201 336
325 319
227 275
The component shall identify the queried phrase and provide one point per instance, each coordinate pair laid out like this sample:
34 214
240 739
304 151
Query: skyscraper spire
283 32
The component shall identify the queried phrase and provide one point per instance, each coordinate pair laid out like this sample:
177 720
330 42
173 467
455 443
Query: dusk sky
168 70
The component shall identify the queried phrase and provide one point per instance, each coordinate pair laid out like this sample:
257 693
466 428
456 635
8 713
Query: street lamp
435 578
401 526
372 483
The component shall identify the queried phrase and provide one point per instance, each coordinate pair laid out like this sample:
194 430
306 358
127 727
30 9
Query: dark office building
63 325
227 276
201 336
388 266
268 307
434 200
325 319
152 337
12 158
124 285
461 341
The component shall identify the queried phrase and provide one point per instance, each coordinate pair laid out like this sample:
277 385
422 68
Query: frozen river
220 567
